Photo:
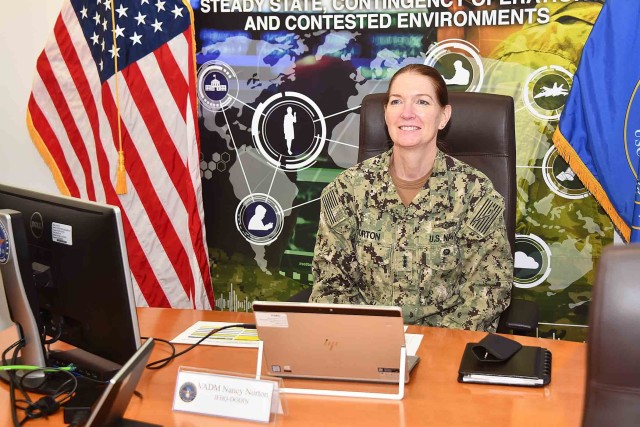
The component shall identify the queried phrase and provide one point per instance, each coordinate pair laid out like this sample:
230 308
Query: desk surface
432 398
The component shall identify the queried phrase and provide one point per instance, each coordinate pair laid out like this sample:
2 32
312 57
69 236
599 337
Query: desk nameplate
210 393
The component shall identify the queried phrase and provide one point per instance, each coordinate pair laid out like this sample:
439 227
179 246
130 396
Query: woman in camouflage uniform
414 227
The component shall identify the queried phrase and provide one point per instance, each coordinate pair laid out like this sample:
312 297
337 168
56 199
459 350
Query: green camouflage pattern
445 259
576 230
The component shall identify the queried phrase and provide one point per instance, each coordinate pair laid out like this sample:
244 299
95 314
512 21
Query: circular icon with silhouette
550 91
560 178
259 219
460 64
457 71
289 131
532 261
545 91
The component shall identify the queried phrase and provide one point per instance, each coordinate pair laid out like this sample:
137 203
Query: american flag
73 114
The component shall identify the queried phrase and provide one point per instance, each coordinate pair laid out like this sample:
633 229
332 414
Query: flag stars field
144 17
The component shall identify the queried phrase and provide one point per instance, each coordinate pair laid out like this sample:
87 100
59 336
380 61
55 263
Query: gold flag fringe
571 157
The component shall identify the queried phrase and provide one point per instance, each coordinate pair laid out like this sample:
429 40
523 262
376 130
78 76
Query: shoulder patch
332 208
485 215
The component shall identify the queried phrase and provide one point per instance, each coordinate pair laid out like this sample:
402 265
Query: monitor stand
17 278
87 364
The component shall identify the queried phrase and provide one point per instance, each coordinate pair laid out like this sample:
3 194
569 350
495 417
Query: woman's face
413 115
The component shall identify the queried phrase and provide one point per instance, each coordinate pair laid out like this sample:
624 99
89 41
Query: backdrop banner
280 84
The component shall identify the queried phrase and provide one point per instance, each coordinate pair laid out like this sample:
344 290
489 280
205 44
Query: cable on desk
51 340
12 379
168 359
49 404
44 406
35 368
161 363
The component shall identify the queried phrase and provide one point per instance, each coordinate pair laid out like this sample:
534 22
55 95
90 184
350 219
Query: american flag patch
485 216
332 209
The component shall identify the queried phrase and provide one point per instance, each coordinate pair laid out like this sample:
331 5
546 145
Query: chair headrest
475 119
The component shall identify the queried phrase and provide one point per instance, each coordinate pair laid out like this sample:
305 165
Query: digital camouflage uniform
445 259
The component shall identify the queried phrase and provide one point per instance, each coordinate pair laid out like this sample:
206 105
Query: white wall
25 25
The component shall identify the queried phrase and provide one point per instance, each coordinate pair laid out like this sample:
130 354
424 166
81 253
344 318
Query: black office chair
613 345
481 133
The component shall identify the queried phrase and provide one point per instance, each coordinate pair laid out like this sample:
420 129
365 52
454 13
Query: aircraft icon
556 90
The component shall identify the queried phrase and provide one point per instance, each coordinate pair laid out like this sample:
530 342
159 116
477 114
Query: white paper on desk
412 343
232 337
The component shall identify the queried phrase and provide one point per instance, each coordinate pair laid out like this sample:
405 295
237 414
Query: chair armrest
521 317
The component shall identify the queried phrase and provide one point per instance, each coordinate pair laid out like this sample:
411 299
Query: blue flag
599 130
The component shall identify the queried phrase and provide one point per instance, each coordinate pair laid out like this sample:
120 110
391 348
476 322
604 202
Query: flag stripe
85 118
45 153
153 207
199 235
88 82
173 76
49 71
45 80
159 133
149 286
47 133
160 263
160 90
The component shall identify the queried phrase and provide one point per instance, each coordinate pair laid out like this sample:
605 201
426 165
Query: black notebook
530 366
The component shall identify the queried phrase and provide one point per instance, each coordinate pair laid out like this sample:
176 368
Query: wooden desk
432 398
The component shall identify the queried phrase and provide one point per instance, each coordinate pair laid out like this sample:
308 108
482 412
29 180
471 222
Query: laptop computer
108 411
332 341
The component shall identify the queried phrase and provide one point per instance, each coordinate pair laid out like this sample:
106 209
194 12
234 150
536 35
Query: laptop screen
331 341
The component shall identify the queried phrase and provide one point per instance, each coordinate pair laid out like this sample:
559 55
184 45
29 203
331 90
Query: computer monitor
81 274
